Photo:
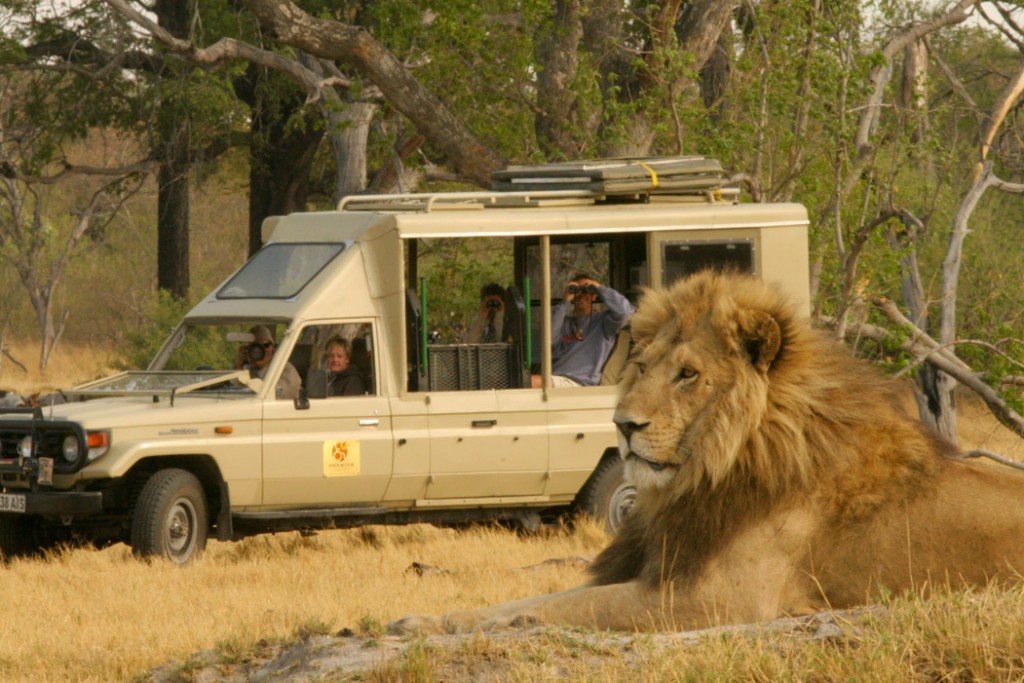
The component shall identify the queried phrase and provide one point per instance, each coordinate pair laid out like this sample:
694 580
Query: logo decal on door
341 458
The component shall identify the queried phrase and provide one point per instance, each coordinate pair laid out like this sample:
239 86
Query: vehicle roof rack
427 201
568 183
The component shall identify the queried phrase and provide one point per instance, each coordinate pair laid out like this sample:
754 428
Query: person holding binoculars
256 356
581 338
488 324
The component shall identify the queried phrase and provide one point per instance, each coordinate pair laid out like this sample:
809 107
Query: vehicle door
334 451
486 444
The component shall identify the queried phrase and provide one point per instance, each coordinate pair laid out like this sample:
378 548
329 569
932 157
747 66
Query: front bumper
59 503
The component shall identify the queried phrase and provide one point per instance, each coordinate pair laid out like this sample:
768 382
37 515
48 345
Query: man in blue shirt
581 338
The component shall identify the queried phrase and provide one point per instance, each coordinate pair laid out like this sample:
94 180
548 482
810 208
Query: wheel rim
619 504
180 530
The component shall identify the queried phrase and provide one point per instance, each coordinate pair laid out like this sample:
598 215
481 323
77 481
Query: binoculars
493 303
587 289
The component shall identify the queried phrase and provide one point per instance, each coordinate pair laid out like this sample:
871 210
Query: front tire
171 518
607 497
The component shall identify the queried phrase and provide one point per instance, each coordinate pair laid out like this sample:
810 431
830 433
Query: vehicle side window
465 319
336 360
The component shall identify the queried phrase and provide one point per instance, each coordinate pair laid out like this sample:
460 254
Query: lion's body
776 474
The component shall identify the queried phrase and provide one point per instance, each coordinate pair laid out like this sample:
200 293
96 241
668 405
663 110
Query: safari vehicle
445 432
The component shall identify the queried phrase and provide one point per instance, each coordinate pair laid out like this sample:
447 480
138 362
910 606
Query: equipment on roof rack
570 183
649 175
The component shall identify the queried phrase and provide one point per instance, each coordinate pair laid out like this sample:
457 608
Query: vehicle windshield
279 271
201 347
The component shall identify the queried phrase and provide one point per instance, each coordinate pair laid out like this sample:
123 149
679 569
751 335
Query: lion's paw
422 624
460 621
484 620
519 620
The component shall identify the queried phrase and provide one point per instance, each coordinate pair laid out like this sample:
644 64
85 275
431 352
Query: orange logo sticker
341 458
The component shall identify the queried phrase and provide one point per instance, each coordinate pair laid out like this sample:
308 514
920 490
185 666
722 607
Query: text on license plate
12 502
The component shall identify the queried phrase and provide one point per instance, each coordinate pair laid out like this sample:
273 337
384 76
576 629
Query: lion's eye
641 368
686 375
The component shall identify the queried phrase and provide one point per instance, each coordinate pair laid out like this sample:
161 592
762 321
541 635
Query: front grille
48 442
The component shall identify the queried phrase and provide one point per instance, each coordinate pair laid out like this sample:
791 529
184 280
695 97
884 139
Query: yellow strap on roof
651 171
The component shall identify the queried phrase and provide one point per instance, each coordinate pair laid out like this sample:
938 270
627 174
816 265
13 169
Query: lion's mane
826 426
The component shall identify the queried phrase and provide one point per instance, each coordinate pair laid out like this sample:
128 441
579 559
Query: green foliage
787 115
143 341
454 271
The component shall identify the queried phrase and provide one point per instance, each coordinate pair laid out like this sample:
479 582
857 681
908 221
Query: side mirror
316 383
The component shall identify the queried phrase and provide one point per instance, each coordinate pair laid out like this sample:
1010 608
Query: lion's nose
629 427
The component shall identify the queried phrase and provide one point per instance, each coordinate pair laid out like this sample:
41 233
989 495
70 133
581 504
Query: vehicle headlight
25 447
70 448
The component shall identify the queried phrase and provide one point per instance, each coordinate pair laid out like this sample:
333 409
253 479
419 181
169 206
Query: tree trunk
172 217
558 51
173 177
714 78
350 130
357 48
280 155
914 87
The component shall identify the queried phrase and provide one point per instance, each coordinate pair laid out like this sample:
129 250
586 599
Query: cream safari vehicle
189 448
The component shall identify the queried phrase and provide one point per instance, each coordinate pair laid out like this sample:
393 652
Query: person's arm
558 314
619 310
475 331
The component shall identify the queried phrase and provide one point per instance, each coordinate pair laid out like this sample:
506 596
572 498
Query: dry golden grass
100 615
69 365
88 615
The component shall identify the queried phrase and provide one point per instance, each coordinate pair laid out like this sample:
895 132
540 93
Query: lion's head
724 379
697 384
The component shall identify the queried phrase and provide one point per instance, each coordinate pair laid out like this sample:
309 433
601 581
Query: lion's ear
761 336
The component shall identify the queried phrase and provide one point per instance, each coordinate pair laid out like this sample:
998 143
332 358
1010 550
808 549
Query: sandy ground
344 657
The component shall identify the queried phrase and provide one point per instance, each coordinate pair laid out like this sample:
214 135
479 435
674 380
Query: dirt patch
479 656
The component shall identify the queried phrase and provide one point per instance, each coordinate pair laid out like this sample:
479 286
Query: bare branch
1007 99
752 184
957 86
226 50
880 74
145 166
1004 24
357 48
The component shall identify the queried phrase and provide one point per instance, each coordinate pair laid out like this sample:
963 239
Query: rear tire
171 518
607 497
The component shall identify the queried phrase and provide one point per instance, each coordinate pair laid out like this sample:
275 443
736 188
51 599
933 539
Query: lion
777 475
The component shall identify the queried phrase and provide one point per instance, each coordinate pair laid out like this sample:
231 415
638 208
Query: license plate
12 502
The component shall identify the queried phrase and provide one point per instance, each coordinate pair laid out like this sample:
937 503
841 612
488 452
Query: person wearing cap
581 338
488 324
289 384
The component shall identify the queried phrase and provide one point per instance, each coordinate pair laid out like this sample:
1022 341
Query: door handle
484 423
369 422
